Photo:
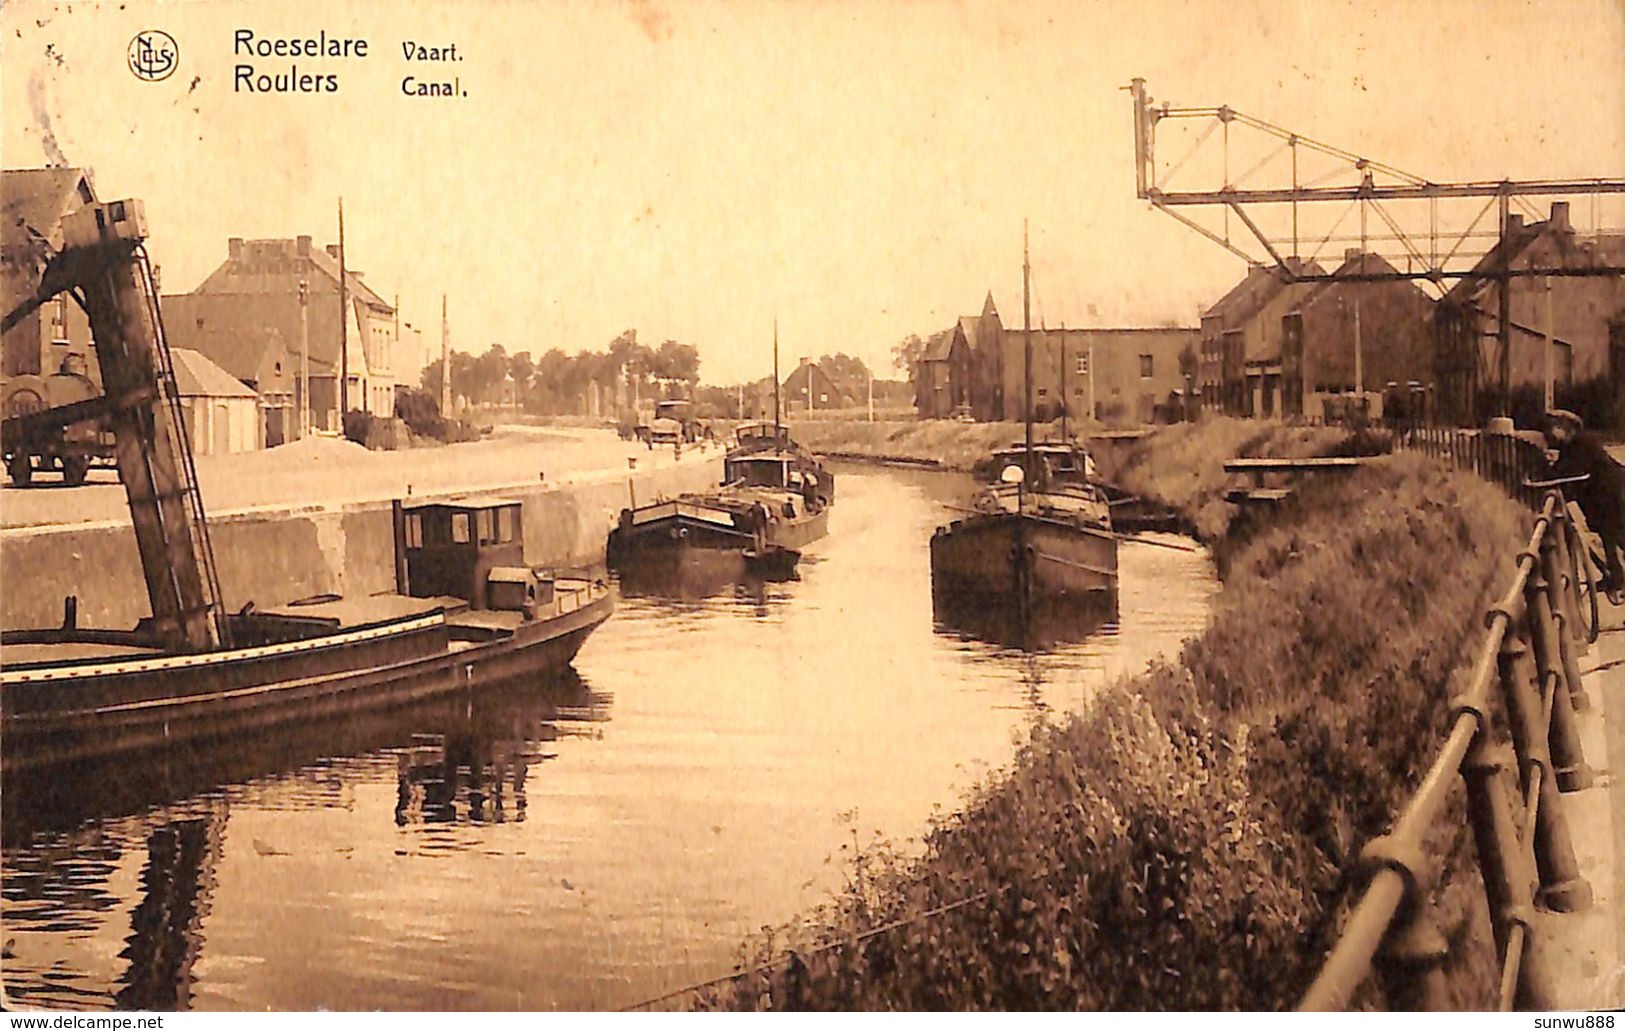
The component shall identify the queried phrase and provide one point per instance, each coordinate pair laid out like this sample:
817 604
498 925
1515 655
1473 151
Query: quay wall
274 555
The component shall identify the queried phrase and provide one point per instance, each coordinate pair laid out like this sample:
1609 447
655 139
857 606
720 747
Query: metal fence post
1563 735
1410 963
1508 883
1563 890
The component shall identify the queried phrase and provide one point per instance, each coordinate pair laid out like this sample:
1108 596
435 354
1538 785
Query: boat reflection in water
461 758
1039 626
695 574
500 723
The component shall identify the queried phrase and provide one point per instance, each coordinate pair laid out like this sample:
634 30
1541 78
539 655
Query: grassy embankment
1190 840
952 445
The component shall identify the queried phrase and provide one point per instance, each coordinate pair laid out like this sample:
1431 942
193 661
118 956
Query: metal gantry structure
103 266
1317 174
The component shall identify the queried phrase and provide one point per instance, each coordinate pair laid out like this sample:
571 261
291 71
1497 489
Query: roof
323 262
330 266
1484 270
1574 251
1373 263
940 345
33 201
1258 288
196 376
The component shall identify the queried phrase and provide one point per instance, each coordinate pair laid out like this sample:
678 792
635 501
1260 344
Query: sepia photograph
883 506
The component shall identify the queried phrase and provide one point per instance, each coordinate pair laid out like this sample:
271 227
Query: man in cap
1601 495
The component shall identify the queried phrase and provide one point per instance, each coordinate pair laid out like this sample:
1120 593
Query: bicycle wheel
1582 574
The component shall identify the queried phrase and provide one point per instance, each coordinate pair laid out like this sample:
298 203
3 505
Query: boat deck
345 612
68 651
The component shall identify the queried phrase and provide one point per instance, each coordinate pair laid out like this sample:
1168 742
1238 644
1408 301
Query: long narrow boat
467 612
774 500
1039 536
1023 546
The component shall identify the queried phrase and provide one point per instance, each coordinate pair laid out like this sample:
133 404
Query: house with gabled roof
984 337
809 388
247 317
1350 339
1579 319
1244 326
942 376
221 412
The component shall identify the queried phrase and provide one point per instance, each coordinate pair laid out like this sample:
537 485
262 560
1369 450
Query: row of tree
557 383
623 373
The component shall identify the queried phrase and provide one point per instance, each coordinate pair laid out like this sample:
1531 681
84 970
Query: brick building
1583 317
33 203
1115 375
246 318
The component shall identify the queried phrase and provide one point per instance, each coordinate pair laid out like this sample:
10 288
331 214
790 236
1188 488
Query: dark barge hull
1010 560
672 542
100 708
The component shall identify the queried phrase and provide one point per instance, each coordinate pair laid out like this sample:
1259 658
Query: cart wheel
1584 577
20 469
74 470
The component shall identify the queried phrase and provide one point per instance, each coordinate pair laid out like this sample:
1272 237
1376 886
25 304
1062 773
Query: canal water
585 844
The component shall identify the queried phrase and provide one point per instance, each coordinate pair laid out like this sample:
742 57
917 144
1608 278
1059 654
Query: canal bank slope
1190 841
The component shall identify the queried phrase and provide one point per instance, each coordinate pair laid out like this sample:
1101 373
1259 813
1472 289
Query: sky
859 171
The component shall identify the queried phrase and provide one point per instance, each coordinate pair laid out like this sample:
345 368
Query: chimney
1560 216
234 247
1351 254
806 361
332 250
1514 225
304 246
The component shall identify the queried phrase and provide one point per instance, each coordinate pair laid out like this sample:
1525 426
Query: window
414 531
1146 366
59 321
459 527
1083 364
487 524
1043 392
505 525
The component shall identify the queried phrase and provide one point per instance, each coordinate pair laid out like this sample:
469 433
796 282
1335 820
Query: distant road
327 472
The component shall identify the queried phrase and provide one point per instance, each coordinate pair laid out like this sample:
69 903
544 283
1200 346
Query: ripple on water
581 844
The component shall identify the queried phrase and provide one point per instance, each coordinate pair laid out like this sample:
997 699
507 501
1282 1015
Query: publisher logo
153 55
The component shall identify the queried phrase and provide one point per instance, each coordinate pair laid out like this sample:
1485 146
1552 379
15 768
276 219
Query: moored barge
467 612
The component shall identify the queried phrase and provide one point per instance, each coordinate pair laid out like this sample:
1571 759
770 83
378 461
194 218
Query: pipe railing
1529 660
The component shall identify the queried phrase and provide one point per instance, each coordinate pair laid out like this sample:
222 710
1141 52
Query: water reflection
692 581
66 795
588 862
166 927
1041 626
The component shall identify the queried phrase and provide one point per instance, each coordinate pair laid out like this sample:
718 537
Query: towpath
326 472
1585 951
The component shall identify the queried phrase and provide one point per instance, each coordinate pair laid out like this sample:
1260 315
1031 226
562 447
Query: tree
675 363
520 370
850 375
906 355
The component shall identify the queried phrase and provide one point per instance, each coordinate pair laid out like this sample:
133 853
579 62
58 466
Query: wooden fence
1510 460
